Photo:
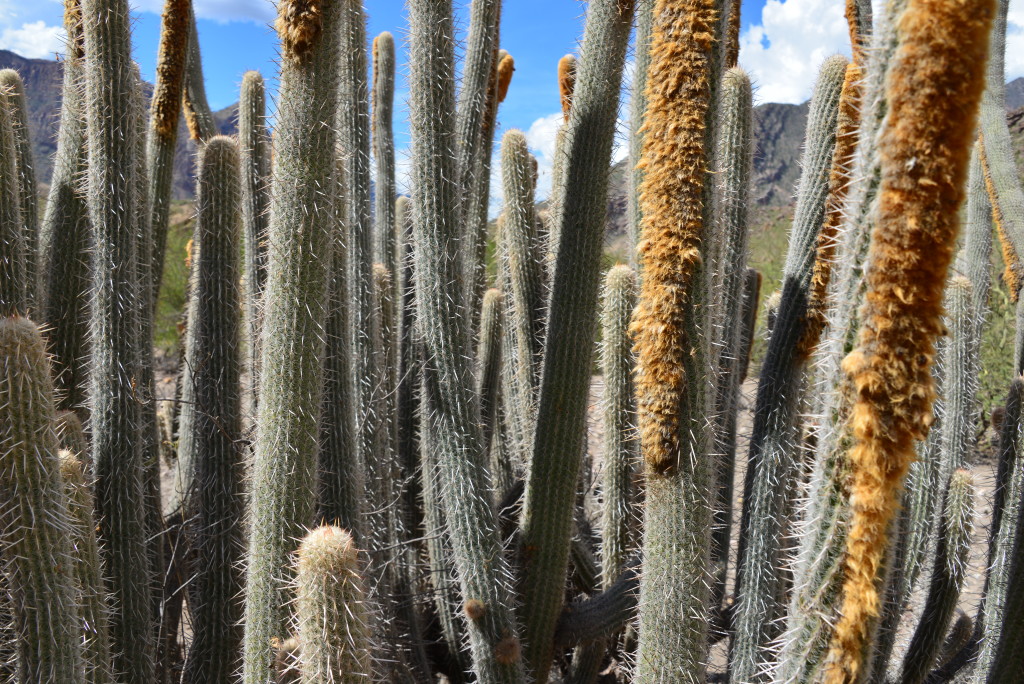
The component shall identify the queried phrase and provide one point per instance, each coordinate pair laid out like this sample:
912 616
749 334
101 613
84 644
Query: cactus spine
37 559
115 412
284 463
774 448
451 425
214 512
933 90
637 108
558 438
331 612
11 82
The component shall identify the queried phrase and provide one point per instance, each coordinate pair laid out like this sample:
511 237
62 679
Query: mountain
778 138
1015 94
43 79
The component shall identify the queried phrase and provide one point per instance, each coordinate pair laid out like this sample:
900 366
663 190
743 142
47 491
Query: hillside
43 79
778 138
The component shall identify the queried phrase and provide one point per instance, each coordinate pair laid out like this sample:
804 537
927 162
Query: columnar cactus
13 289
65 233
35 526
198 116
92 597
214 508
384 151
11 83
558 438
620 448
114 150
254 146
353 126
951 557
729 323
331 610
933 90
165 111
284 463
672 396
772 468
451 414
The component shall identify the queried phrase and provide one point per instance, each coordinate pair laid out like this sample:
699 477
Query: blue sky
782 44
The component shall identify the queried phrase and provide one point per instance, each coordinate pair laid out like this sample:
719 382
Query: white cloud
783 52
259 11
35 40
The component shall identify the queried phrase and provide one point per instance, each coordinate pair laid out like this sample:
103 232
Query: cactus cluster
411 496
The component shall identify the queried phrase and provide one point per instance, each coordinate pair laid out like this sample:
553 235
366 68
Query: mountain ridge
778 134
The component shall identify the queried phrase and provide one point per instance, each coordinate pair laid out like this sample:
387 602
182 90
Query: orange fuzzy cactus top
933 89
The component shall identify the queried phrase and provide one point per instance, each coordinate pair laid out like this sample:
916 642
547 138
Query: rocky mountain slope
778 138
43 79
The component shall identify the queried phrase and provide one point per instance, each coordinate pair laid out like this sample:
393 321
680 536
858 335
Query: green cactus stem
10 81
332 615
214 509
35 526
291 376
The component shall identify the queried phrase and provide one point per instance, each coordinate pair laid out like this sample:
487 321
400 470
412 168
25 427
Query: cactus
13 290
11 83
822 526
92 600
1004 537
214 509
34 524
451 416
1001 177
671 393
637 109
384 151
332 616
114 150
254 145
340 473
620 453
353 125
917 214
951 556
198 115
734 155
772 464
284 463
165 111
488 363
65 231
558 443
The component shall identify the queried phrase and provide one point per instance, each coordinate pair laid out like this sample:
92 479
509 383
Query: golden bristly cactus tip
73 22
674 160
566 82
506 67
170 66
299 24
933 90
